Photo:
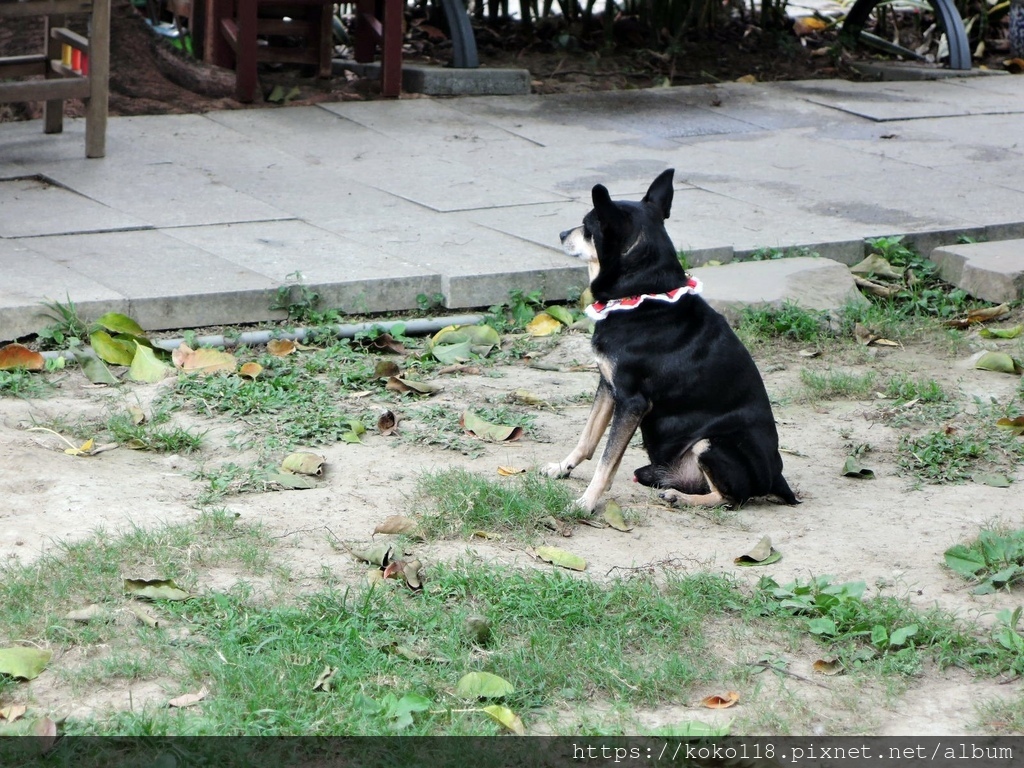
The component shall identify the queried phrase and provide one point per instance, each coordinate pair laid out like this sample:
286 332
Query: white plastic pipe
414 327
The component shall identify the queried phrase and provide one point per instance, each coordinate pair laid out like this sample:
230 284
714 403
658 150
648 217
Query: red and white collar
601 309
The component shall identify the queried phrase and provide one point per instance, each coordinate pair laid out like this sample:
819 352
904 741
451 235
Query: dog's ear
603 204
660 192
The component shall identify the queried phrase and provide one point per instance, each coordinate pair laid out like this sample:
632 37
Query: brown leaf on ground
720 702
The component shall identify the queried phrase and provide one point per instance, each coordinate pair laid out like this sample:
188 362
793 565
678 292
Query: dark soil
149 77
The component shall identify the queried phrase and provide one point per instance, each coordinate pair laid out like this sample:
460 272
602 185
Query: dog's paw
672 496
557 469
583 504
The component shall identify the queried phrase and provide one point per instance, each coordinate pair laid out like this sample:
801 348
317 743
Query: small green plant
902 388
883 630
67 325
429 303
790 321
302 303
150 435
924 293
995 560
21 383
461 502
767 254
835 384
517 311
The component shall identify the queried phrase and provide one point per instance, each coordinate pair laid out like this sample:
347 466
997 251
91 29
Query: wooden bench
62 81
241 33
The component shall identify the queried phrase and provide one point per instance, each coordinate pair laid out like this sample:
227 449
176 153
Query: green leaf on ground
145 367
1000 362
485 430
506 718
853 468
561 558
118 323
93 368
155 589
23 663
111 350
483 685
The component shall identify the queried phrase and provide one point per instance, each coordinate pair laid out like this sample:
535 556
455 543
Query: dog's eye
586 232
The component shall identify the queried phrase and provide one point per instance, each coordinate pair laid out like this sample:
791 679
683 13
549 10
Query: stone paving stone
990 271
812 283
34 207
168 283
347 275
31 278
167 195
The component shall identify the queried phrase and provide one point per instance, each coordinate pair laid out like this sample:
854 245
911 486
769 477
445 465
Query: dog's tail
781 489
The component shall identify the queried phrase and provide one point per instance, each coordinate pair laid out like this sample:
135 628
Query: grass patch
19 383
994 560
151 434
461 502
35 598
790 322
439 425
882 633
902 388
398 657
836 384
957 452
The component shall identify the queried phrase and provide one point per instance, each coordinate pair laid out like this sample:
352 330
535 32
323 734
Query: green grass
790 322
960 450
152 435
564 641
994 560
833 384
19 383
458 502
882 633
902 388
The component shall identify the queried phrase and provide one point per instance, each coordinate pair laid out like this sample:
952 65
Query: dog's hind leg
597 423
688 483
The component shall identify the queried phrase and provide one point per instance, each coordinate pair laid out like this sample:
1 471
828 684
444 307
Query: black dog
670 365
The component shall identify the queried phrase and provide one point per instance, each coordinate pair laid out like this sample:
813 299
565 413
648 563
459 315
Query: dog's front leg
597 423
627 417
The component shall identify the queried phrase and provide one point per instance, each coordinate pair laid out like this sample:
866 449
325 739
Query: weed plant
458 503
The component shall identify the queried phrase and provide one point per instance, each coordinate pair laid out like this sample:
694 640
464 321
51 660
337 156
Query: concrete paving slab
470 193
812 283
166 195
30 278
33 206
902 101
346 274
552 126
989 271
758 105
448 81
168 283
420 119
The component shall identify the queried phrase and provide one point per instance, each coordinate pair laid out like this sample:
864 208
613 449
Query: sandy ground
887 532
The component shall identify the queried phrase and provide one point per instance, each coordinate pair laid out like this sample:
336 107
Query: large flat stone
31 280
990 271
33 206
347 275
180 287
812 283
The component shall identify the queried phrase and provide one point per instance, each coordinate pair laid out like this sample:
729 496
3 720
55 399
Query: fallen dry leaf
281 347
12 712
188 699
828 667
18 356
509 471
721 702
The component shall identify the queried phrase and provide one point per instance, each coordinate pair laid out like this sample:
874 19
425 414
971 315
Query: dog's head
625 245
